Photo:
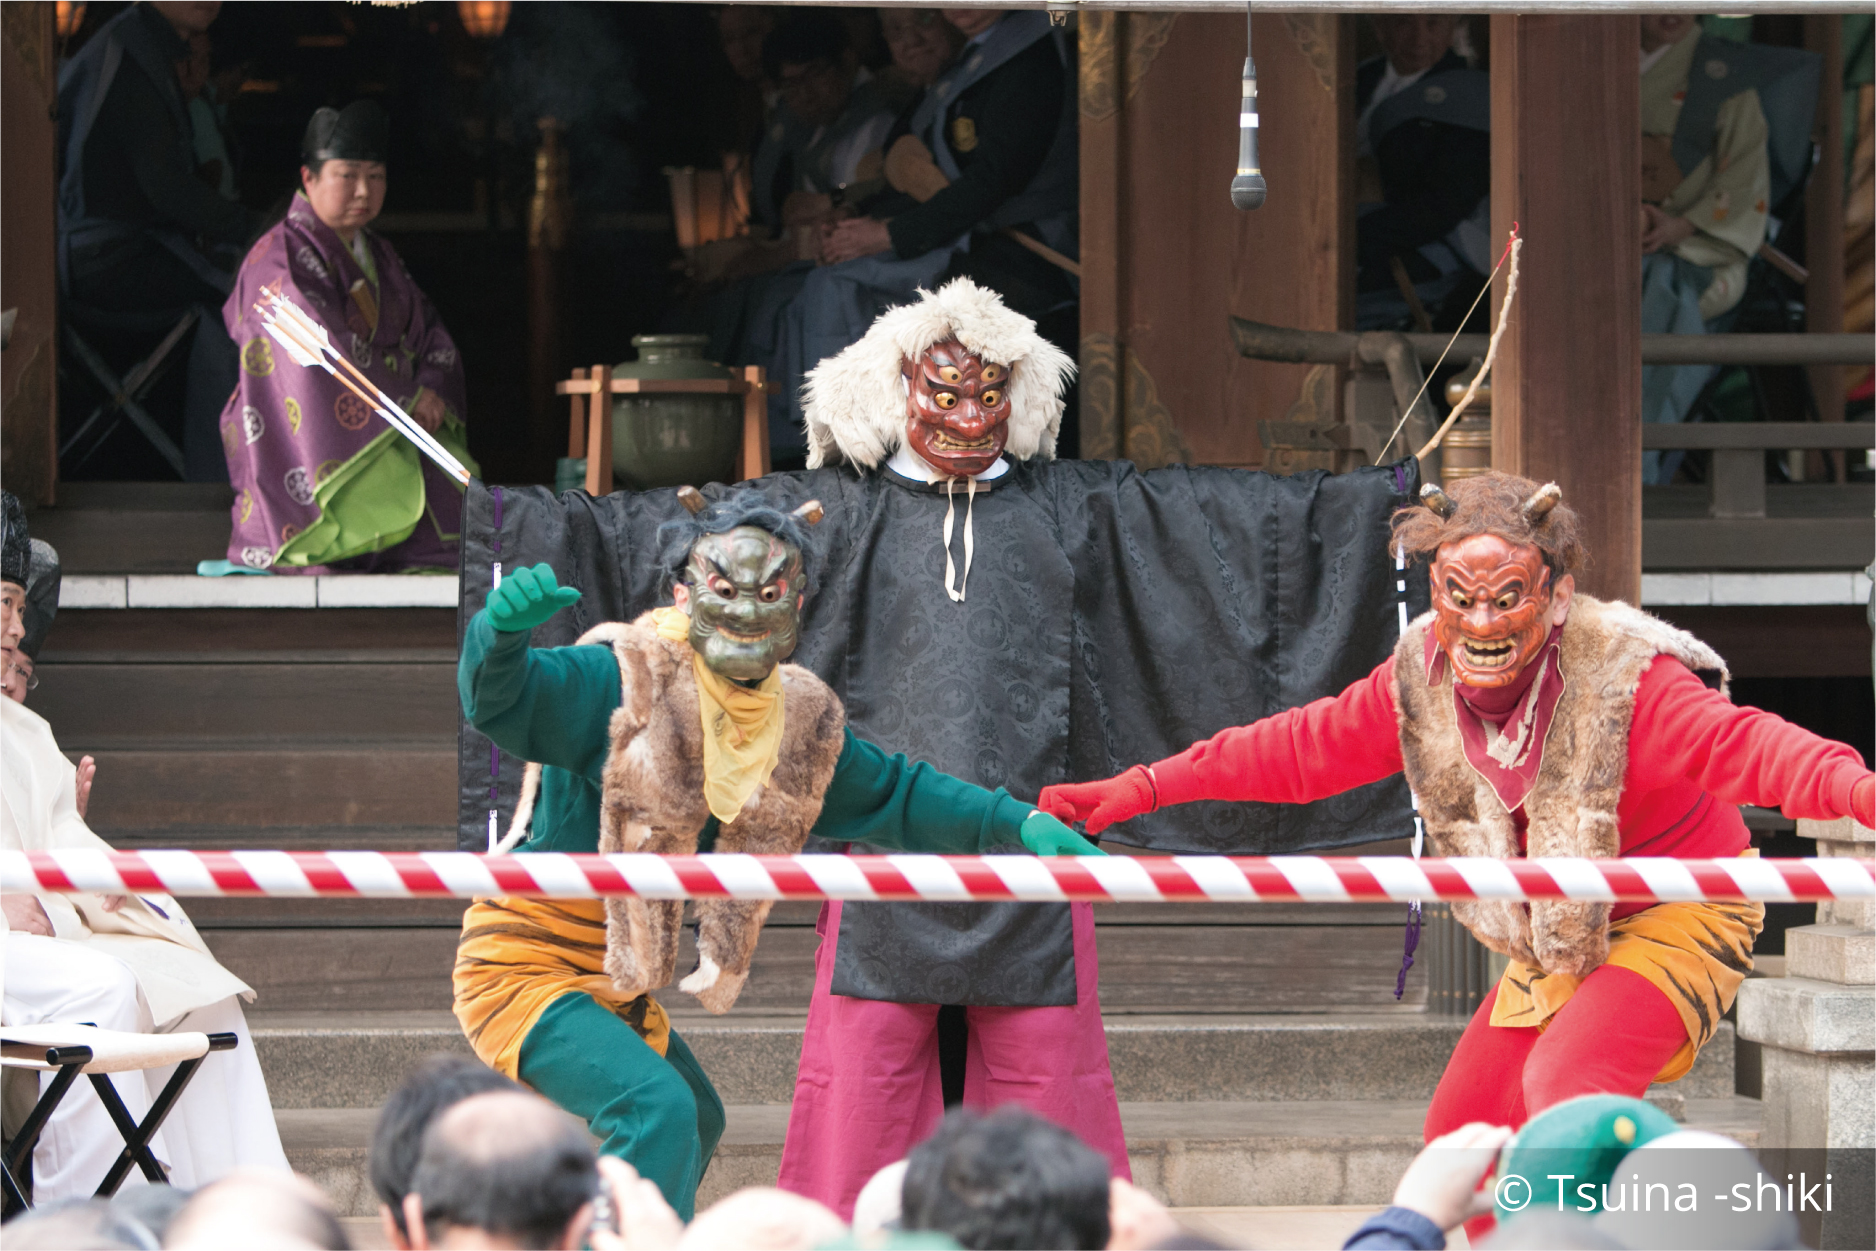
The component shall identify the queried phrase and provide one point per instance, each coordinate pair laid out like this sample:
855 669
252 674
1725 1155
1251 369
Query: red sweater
1692 756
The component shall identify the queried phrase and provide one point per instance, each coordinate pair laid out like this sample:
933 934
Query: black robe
1111 617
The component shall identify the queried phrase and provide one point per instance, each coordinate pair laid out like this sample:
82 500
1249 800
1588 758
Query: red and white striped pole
949 879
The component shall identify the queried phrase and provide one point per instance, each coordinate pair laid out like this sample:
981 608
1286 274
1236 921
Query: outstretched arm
888 801
1742 755
1320 749
550 705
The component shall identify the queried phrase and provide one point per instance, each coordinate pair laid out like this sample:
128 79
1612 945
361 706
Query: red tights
1612 1037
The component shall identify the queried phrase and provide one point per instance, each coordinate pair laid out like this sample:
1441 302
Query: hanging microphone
1247 189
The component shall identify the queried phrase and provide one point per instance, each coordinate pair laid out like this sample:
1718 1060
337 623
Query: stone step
1209 1154
340 1057
302 703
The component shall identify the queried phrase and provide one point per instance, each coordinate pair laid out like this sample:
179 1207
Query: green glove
1045 836
526 598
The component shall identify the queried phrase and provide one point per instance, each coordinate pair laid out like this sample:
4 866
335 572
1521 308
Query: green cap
1575 1143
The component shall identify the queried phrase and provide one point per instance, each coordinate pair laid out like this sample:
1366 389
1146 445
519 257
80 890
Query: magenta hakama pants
869 1088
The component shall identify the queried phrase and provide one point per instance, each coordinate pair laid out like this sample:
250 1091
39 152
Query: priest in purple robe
321 481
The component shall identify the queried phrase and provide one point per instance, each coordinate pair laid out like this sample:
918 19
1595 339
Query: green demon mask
744 588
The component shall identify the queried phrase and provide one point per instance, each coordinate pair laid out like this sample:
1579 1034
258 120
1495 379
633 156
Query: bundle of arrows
306 343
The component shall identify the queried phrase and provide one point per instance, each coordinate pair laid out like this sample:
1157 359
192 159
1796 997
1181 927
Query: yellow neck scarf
742 728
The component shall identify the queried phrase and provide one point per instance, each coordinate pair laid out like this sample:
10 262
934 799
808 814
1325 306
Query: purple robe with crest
286 429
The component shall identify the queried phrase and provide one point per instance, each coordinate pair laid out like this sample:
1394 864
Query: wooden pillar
1566 166
1823 217
1165 256
29 365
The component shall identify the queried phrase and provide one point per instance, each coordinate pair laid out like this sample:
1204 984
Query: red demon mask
1494 605
957 409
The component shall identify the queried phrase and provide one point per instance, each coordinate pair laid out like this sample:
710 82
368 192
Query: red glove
1862 802
1101 804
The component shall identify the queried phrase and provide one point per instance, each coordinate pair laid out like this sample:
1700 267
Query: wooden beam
1566 166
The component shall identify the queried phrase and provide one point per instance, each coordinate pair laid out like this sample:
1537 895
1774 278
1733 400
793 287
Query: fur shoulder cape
1571 810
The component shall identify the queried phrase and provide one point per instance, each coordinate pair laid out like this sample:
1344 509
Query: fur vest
1571 810
652 800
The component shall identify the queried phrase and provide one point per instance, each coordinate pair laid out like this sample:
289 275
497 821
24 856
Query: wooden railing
1748 524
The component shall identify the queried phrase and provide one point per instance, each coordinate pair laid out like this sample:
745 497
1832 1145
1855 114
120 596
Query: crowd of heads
463 1157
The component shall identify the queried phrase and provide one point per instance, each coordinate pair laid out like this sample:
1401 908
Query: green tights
660 1114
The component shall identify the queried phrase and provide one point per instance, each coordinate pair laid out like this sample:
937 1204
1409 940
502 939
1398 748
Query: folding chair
123 396
69 1050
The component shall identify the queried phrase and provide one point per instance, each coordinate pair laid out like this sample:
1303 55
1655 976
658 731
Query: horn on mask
692 499
1441 503
1541 502
810 512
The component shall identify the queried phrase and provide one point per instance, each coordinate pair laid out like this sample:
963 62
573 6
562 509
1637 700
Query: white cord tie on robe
970 537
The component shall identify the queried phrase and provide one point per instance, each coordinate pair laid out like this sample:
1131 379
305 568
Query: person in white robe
131 963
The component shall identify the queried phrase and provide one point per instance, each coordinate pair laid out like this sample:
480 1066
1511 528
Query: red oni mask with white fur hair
1492 608
957 409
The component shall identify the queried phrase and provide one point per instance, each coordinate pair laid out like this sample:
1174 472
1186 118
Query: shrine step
1266 959
304 702
239 794
338 1057
136 527
1209 1154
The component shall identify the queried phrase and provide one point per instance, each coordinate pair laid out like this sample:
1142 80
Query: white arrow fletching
299 354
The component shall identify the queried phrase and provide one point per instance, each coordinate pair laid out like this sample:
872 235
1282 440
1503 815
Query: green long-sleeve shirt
553 705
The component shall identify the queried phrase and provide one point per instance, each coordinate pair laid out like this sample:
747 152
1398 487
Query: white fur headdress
855 401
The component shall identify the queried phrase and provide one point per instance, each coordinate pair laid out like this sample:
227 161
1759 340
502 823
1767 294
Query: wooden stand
589 432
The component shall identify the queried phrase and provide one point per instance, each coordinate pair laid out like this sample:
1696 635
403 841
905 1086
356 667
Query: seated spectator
921 42
765 275
1706 187
502 1169
320 479
825 117
132 963
832 108
139 232
1009 1179
437 1084
984 172
260 1211
1424 144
